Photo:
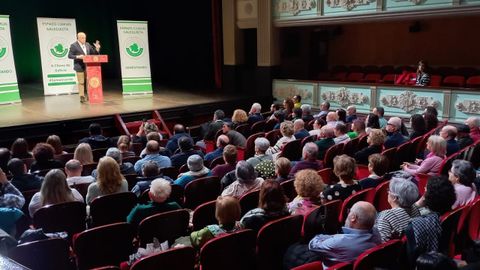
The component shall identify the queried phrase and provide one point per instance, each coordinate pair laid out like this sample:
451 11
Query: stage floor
37 108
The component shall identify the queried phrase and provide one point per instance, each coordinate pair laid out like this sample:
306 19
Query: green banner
9 92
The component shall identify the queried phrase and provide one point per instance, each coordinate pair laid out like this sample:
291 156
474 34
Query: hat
463 128
195 163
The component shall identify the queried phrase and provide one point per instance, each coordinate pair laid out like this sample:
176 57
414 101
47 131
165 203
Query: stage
36 108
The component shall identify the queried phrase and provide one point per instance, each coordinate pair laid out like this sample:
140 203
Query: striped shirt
391 223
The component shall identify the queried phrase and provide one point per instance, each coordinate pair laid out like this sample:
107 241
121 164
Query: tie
84 49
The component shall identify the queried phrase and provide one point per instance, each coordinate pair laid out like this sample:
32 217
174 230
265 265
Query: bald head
73 168
178 128
327 132
362 216
332 116
448 132
153 147
222 141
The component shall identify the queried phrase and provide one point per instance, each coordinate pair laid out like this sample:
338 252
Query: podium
94 76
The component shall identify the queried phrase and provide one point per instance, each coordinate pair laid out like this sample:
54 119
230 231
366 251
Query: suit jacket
75 50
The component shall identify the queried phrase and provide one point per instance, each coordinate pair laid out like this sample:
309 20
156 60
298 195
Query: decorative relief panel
284 89
409 102
416 4
468 106
344 97
288 8
347 4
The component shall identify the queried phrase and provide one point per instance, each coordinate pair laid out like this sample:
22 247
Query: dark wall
180 36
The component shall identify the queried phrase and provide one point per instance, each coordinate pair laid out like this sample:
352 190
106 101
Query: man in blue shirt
255 114
179 131
395 137
152 153
222 141
449 133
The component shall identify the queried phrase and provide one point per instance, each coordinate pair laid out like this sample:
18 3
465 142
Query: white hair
160 189
256 107
310 151
306 108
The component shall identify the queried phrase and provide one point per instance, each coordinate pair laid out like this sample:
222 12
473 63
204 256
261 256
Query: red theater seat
454 81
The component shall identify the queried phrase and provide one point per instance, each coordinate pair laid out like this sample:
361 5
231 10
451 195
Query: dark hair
379 164
279 115
327 104
380 111
150 169
341 127
19 148
431 121
43 152
359 123
276 106
219 114
185 143
4 158
465 172
440 194
418 124
320 122
424 64
373 121
432 110
435 261
298 113
16 166
298 97
342 115
271 198
95 129
289 105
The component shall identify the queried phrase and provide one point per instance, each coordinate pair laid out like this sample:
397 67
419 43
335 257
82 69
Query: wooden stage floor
36 108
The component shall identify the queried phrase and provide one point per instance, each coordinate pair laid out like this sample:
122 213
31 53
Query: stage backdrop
134 57
55 37
8 77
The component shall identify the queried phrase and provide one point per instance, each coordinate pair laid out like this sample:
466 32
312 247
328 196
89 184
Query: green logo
58 50
3 51
134 50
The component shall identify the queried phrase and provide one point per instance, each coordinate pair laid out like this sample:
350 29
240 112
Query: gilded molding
344 97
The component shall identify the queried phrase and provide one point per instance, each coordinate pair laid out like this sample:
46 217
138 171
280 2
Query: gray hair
245 172
73 165
365 213
219 114
327 131
465 172
306 108
352 107
257 107
310 151
395 121
404 190
114 153
262 144
195 163
299 123
160 189
475 121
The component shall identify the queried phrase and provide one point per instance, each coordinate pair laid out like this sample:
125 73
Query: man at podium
77 51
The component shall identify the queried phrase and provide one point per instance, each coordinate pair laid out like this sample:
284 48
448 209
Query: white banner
55 37
134 57
8 77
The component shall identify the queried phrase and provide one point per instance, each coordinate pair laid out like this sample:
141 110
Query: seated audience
150 172
125 167
435 261
124 144
375 141
463 136
96 140
4 158
325 141
297 101
402 195
109 180
372 122
418 126
394 137
308 185
261 146
143 130
222 141
159 192
54 190
431 118
178 132
19 149
340 131
286 129
378 167
351 114
271 206
230 158
379 111
83 153
462 175
44 158
56 143
282 169
288 107
431 165
317 125
239 117
73 169
332 119
152 153
255 114
309 159
246 181
20 178
474 124
423 78
196 170
209 130
449 133
344 168
299 129
10 196
297 114
236 138
358 129
156 136
341 115
324 109
307 113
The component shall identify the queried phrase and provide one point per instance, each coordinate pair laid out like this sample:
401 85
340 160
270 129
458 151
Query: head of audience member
227 211
286 129
325 106
114 153
362 216
282 167
279 115
178 129
150 127
73 168
306 109
230 154
19 148
376 137
435 261
239 116
358 126
95 129
318 123
448 132
327 132
55 189
351 110
344 168
422 67
154 136
227 126
437 145
124 143
4 158
342 115
372 121
473 122
308 184
83 153
340 129
160 190
109 178
150 169
431 118
297 113
43 152
332 117
462 172
394 124
256 108
402 193
431 110
195 163
222 141
418 123
288 105
17 167
439 194
245 173
274 107
218 115
185 144
310 152
379 111
56 143
271 197
261 145
463 131
298 125
297 99
378 164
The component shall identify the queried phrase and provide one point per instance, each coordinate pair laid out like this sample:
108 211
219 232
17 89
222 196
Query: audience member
358 129
109 180
423 78
449 133
377 167
351 114
10 196
379 111
435 261
178 132
297 114
152 153
308 185
332 119
246 181
236 138
255 113
150 172
186 149
462 175
299 129
340 131
394 136
5 156
325 141
261 146
156 136
143 130
124 144
344 168
56 143
418 126
286 129
73 169
288 107
431 118
96 140
463 136
239 117
431 165
324 109
474 124
372 122
209 130
19 149
317 125
297 101
20 178
43 154
125 167
282 169
375 141
196 170
83 153
341 115
309 159
230 158
222 141
307 113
